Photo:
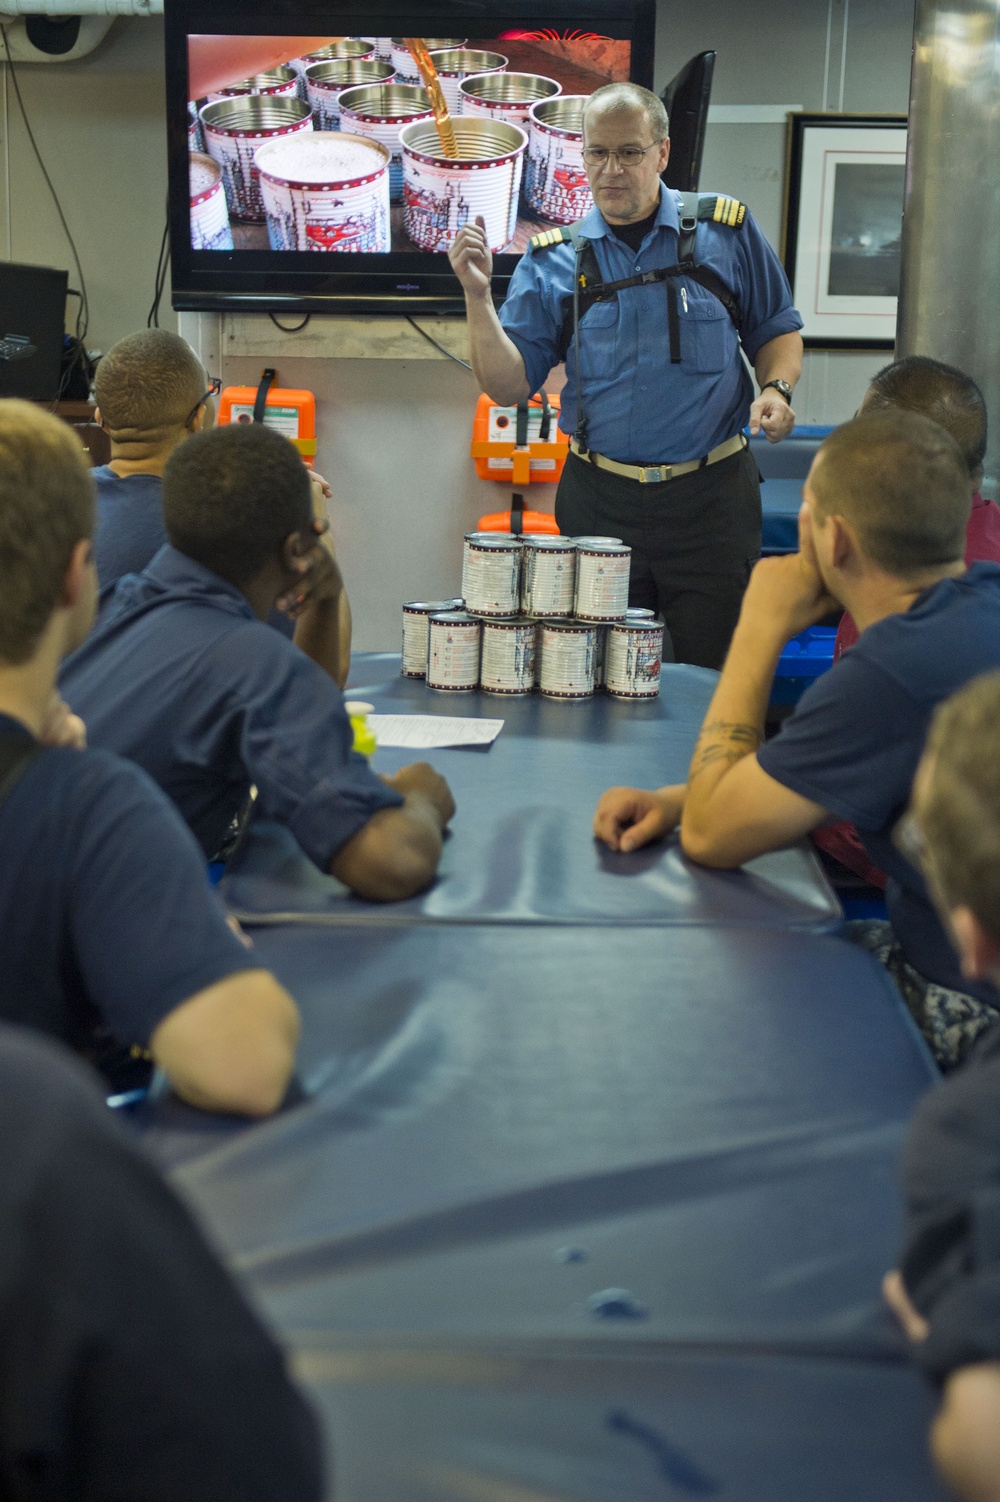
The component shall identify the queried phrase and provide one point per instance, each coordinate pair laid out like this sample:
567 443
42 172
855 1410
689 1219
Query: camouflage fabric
949 1020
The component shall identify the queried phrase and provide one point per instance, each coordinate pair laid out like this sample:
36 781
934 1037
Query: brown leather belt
655 474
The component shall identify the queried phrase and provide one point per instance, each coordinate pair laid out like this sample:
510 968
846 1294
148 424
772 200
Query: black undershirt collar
634 234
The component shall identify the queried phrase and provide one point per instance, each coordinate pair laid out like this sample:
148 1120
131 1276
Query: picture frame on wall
843 224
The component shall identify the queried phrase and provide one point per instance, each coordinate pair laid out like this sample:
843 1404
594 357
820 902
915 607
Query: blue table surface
521 848
715 1115
504 1126
565 1422
590 1200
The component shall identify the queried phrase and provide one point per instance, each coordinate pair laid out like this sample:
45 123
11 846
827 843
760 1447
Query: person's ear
843 542
978 951
99 420
78 578
291 550
664 156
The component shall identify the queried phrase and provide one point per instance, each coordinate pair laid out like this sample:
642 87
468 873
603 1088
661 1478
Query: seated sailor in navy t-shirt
181 675
152 395
946 1291
110 933
882 532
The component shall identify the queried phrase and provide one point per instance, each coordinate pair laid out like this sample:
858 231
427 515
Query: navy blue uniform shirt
640 408
951 1182
179 676
130 1365
856 736
130 531
105 910
129 526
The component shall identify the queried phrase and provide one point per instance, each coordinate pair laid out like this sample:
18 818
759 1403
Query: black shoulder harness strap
16 751
590 289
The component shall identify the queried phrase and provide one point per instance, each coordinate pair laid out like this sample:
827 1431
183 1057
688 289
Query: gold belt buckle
654 474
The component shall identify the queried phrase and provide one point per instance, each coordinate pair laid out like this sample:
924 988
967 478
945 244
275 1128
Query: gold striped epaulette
550 237
723 210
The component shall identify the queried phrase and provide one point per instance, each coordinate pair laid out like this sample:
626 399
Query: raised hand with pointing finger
471 258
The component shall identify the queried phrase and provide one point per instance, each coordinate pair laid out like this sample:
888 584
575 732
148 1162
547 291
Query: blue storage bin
805 657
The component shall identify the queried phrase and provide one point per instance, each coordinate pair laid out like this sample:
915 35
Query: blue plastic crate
805 657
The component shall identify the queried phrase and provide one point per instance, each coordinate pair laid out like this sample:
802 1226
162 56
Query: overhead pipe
81 8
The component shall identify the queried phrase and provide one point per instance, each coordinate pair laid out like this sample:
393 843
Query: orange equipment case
288 411
495 448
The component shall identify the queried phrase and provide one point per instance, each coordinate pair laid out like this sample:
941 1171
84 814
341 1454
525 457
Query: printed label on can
549 581
634 653
415 633
508 661
566 670
453 654
602 583
491 579
416 615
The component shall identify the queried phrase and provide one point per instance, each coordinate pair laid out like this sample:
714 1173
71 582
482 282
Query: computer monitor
33 305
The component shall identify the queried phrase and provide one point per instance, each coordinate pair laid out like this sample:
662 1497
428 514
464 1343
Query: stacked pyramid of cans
537 612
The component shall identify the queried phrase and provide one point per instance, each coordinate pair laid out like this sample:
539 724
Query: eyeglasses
625 156
214 388
908 838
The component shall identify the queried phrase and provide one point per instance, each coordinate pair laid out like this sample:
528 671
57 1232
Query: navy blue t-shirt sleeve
851 745
296 743
147 931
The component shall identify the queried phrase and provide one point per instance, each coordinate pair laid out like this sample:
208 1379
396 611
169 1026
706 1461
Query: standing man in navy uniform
657 393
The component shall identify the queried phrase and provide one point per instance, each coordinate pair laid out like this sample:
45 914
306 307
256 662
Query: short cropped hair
46 508
902 483
147 384
631 96
941 392
232 495
959 810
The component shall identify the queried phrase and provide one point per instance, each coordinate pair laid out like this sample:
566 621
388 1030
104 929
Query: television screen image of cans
334 149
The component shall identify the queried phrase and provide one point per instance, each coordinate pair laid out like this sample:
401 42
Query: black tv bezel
228 281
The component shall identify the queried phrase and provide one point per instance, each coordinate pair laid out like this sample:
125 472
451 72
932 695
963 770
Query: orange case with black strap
519 445
289 411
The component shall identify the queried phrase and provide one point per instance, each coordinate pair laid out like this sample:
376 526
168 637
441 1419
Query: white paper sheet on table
424 732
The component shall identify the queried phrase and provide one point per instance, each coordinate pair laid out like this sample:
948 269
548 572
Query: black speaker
33 306
686 99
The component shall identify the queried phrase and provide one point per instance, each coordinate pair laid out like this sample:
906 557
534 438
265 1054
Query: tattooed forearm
727 741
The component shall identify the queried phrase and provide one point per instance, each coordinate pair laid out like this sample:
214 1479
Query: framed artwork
843 226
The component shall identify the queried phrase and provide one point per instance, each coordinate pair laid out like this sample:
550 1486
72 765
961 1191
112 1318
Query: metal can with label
635 650
508 661
453 651
602 574
548 579
566 659
210 229
416 614
491 575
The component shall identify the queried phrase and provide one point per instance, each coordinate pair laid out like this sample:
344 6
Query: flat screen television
306 171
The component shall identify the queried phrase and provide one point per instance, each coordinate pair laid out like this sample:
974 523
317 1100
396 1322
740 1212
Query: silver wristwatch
781 386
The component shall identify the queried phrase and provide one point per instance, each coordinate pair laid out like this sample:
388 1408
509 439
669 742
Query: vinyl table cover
521 848
584 1213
